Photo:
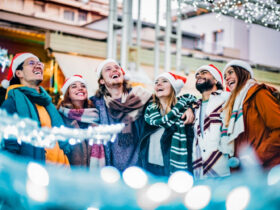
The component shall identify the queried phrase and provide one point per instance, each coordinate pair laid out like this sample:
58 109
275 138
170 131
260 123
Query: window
218 36
68 15
82 17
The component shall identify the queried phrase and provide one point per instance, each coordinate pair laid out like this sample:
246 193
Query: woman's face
230 78
163 88
78 91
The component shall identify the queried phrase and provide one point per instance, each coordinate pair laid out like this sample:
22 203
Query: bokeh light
92 208
180 181
37 174
198 197
273 176
135 177
36 192
158 192
238 198
110 174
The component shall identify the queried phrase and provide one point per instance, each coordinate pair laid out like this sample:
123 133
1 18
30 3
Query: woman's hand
188 116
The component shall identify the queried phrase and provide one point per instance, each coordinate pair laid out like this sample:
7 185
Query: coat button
204 150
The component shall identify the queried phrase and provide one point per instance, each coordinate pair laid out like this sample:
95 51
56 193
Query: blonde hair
172 100
242 76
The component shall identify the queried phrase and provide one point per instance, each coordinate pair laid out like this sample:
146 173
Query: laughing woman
251 115
167 143
78 112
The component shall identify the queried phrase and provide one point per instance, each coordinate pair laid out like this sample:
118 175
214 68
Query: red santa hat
17 60
71 80
241 64
103 63
217 74
176 81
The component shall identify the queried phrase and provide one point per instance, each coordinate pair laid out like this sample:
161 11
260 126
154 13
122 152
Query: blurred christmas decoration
28 131
29 185
4 60
25 184
262 12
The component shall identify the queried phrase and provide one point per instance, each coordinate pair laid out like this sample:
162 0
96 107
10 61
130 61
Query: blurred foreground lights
238 198
37 174
36 192
92 208
158 192
180 181
273 176
110 174
198 197
135 177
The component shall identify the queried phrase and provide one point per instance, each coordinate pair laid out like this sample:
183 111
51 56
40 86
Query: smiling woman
251 115
166 145
79 112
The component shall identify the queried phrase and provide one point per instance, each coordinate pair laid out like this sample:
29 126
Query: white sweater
208 160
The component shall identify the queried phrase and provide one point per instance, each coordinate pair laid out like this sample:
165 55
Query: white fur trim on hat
71 80
177 84
102 64
240 63
217 74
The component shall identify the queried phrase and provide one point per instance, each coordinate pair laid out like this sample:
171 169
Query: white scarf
236 123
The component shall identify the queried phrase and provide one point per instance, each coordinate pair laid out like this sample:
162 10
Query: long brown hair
172 100
102 90
242 76
66 102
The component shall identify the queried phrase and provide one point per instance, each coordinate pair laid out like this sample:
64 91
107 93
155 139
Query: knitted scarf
236 123
178 151
25 97
129 109
88 115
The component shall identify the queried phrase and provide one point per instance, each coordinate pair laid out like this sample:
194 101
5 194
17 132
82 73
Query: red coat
261 112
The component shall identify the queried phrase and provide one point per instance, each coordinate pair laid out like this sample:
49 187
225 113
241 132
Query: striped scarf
236 123
87 115
178 151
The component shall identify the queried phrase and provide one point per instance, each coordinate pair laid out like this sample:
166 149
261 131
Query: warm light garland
262 12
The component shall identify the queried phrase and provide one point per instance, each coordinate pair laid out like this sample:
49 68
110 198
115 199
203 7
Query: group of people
164 132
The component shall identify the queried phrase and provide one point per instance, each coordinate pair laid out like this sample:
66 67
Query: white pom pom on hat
176 81
241 64
103 63
16 61
217 74
71 80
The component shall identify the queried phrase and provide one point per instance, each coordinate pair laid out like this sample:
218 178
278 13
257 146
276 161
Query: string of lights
28 131
262 12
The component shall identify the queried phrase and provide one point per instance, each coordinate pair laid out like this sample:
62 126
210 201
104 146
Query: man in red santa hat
28 99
